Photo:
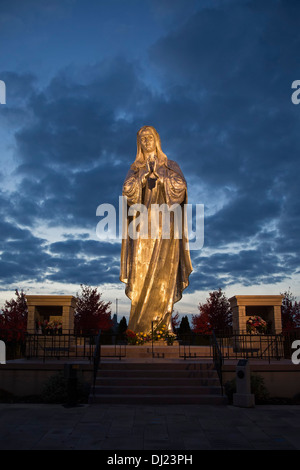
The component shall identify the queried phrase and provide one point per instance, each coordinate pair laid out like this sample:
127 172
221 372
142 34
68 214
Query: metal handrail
96 358
217 358
273 340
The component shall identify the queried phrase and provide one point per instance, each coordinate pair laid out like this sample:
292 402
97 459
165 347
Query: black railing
57 345
65 345
189 346
97 359
217 358
82 345
249 346
274 348
233 346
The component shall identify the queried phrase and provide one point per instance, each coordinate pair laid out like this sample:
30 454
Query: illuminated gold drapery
155 270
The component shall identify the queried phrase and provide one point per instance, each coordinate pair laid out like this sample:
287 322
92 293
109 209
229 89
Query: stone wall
25 379
282 380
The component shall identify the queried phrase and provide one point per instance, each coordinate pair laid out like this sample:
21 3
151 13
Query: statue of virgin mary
156 268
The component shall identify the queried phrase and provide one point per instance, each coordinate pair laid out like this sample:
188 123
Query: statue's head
148 139
148 130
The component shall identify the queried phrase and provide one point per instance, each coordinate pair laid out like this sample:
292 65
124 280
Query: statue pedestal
162 351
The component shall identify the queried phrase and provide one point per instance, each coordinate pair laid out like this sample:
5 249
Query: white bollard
2 352
243 396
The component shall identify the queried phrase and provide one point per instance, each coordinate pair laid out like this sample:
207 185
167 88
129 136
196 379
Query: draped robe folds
155 270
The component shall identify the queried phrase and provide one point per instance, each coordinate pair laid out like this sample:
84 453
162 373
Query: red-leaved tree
13 318
91 313
290 312
215 314
175 321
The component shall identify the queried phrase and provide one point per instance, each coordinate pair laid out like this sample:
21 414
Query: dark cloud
77 151
94 272
240 220
85 261
229 108
22 255
89 248
247 267
231 71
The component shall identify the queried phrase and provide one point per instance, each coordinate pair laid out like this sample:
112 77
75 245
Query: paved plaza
146 427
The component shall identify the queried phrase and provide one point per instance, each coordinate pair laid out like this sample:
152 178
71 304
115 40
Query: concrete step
156 390
157 365
157 381
168 374
149 399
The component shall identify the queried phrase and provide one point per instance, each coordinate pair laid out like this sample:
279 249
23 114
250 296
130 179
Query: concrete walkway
146 427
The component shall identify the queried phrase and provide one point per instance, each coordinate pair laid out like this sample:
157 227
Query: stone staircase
157 383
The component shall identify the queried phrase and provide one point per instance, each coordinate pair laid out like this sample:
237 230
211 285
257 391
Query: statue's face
147 140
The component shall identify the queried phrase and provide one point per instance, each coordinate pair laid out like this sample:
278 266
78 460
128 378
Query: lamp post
117 307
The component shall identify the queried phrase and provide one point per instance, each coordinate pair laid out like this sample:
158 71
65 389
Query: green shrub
258 388
55 390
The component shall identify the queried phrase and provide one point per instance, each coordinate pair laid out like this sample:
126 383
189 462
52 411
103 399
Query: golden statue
155 268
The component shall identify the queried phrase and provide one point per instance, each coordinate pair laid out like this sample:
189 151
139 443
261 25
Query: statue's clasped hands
153 170
152 164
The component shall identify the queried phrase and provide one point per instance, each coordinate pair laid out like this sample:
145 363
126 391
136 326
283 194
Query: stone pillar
242 318
68 319
277 322
235 319
238 316
31 318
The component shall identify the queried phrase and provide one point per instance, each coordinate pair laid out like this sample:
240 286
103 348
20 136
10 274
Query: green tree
122 327
184 328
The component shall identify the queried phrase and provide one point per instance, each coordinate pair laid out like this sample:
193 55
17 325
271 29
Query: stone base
244 401
158 351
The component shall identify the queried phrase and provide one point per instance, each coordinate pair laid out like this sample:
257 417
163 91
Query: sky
215 80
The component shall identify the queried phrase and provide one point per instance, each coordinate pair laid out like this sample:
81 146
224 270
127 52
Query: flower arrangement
170 338
131 336
142 338
50 328
137 338
159 334
256 325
